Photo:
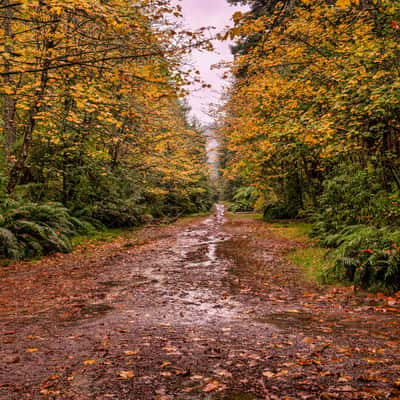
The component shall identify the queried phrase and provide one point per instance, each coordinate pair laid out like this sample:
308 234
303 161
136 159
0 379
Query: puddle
196 249
287 320
203 305
112 283
89 310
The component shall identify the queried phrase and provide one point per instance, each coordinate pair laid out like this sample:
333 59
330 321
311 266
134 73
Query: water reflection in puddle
198 249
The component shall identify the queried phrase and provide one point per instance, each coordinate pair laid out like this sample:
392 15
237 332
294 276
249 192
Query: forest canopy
94 128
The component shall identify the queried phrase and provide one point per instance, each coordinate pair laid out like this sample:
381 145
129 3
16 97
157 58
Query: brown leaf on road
165 364
32 350
89 362
211 386
126 374
131 352
268 374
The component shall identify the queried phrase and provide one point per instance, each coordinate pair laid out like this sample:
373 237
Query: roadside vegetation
313 259
95 134
311 127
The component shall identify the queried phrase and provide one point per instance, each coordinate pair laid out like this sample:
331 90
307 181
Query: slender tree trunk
37 104
9 106
19 166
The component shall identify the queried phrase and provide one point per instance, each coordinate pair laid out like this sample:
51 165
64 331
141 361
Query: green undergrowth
365 256
246 215
29 231
313 261
292 230
104 236
359 255
311 258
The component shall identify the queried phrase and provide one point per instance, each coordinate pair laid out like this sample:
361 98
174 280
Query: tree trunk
19 166
9 105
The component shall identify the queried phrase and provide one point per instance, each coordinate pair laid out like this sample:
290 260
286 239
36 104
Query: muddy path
204 309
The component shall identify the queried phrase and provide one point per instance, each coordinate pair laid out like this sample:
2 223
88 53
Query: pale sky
199 13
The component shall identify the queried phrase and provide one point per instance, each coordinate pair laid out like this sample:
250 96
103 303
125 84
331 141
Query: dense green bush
346 200
280 211
360 219
368 257
244 199
115 213
30 229
355 197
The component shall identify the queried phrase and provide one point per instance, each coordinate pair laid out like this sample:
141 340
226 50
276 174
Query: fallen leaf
49 392
346 388
131 352
224 373
165 364
283 372
371 360
268 374
211 386
170 348
126 374
32 350
11 359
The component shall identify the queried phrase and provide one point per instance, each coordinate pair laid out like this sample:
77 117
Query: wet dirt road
204 309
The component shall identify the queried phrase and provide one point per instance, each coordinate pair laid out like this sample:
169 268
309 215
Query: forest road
206 308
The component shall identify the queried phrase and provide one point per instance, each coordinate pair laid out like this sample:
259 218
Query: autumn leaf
131 352
47 392
32 350
268 374
126 374
343 3
165 364
211 386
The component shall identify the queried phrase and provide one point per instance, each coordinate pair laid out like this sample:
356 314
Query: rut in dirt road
207 308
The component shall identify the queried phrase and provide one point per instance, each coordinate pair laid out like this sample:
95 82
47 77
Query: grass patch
107 235
312 259
247 215
292 230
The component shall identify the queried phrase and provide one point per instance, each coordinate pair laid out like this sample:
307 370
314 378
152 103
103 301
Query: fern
9 246
31 229
368 257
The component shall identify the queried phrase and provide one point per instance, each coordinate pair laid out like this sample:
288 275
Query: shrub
244 199
114 214
30 229
368 257
280 211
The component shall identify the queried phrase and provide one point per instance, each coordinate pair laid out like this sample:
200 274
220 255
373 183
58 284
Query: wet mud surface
207 308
